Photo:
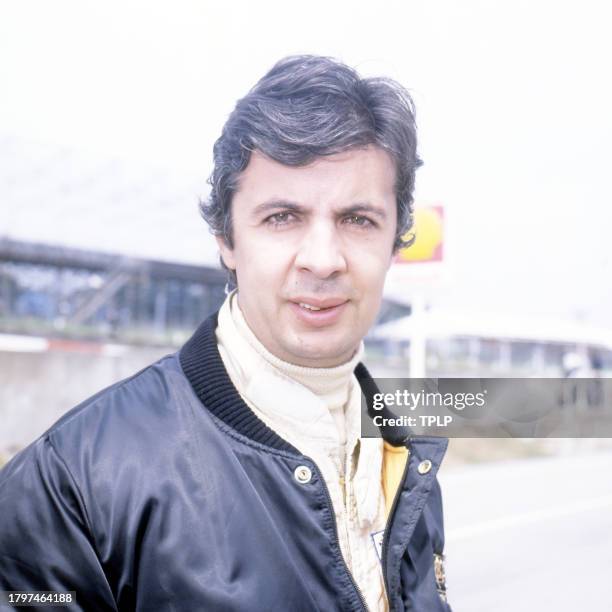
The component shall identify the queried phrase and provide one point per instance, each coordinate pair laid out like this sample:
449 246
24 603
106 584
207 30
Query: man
231 475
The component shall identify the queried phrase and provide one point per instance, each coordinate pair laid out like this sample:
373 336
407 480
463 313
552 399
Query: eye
280 218
359 221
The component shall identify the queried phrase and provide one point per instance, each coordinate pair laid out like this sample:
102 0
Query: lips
318 303
316 313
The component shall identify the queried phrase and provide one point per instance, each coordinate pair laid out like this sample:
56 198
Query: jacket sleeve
45 535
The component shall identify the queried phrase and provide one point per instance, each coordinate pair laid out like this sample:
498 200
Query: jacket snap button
302 474
424 466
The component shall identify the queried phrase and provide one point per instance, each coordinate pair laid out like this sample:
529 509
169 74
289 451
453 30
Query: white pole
418 339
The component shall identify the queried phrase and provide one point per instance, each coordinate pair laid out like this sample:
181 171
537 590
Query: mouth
317 312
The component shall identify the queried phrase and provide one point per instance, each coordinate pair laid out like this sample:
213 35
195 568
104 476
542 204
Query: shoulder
132 418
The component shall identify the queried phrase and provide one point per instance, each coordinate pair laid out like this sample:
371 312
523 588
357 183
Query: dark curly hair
306 107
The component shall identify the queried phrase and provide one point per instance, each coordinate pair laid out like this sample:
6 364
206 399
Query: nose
321 251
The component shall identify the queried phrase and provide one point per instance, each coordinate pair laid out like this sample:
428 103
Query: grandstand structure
101 249
62 292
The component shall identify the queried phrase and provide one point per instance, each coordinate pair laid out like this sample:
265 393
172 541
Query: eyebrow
276 204
353 209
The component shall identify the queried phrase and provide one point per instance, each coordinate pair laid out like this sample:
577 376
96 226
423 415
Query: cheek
371 267
261 267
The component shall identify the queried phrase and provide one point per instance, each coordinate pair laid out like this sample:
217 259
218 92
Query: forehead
366 174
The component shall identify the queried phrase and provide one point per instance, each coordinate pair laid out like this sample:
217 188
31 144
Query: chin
316 355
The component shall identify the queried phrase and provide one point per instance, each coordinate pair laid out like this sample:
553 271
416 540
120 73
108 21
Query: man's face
312 246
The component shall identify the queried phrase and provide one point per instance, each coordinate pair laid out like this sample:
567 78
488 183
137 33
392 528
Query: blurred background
108 114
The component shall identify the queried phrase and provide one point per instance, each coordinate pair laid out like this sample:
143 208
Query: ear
227 254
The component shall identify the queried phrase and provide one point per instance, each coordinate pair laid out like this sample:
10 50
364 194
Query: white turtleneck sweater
317 410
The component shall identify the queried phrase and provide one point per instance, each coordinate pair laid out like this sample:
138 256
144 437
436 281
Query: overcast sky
513 107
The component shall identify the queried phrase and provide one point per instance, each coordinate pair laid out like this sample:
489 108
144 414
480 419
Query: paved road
530 536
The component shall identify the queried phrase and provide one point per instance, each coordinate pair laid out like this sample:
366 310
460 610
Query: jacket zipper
336 538
388 524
